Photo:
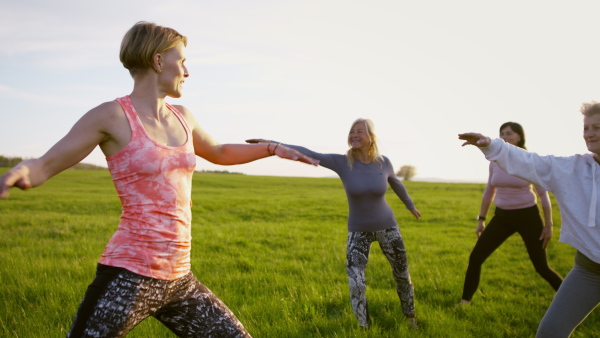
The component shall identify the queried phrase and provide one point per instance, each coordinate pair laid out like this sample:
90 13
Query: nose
185 72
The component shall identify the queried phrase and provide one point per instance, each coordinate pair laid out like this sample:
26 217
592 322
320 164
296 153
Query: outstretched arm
228 154
83 137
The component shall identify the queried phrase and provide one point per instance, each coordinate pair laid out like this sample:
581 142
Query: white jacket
573 180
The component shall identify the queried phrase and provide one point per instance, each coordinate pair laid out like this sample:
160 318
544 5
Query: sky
300 72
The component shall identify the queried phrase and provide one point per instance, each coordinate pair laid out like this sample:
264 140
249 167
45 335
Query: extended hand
475 139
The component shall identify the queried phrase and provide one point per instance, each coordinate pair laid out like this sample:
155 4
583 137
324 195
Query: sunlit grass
273 249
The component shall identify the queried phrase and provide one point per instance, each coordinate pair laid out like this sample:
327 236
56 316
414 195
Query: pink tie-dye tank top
154 184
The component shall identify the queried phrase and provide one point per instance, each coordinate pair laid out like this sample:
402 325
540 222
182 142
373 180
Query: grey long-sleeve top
365 185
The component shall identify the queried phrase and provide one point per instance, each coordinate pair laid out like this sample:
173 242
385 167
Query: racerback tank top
154 184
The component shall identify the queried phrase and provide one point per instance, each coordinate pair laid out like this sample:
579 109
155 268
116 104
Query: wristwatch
480 218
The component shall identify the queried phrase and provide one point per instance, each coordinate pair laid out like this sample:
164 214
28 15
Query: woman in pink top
516 211
150 147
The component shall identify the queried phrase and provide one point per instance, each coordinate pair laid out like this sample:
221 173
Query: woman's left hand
546 235
416 213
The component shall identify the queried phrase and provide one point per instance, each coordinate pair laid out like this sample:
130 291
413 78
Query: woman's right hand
480 228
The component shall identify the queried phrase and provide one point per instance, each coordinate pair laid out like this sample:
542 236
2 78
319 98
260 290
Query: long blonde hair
373 154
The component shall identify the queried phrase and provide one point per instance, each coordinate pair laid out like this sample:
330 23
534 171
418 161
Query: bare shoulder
106 115
187 114
107 109
183 110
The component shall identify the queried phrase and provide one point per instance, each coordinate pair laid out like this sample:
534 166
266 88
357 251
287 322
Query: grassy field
273 249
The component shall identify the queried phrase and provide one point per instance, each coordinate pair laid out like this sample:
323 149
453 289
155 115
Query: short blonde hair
591 108
373 155
143 41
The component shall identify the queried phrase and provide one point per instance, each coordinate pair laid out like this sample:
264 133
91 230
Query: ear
157 60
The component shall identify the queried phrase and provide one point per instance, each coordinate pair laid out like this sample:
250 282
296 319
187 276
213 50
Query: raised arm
84 136
229 154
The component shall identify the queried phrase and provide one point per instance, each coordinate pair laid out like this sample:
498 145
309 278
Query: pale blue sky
301 71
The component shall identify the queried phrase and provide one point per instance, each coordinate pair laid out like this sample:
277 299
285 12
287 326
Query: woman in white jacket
575 183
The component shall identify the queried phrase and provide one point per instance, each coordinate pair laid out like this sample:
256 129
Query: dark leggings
528 223
118 300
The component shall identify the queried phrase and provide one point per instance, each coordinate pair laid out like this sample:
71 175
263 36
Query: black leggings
528 223
118 300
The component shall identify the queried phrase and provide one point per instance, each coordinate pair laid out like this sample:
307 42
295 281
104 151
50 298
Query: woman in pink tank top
150 148
516 212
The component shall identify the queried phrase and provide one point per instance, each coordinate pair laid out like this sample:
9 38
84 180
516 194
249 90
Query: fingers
475 139
545 237
294 155
11 179
545 241
307 160
4 191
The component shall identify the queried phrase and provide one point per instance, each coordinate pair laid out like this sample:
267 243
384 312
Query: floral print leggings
357 255
118 300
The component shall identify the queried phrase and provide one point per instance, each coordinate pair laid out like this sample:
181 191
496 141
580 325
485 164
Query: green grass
273 249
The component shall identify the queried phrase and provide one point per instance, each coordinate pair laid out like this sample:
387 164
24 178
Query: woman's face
359 137
173 71
509 136
591 133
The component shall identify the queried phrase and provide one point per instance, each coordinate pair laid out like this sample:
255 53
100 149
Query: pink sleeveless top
154 184
512 192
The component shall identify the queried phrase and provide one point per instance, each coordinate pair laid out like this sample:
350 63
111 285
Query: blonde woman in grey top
366 174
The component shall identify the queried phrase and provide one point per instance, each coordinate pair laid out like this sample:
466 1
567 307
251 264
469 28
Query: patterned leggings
357 255
118 300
